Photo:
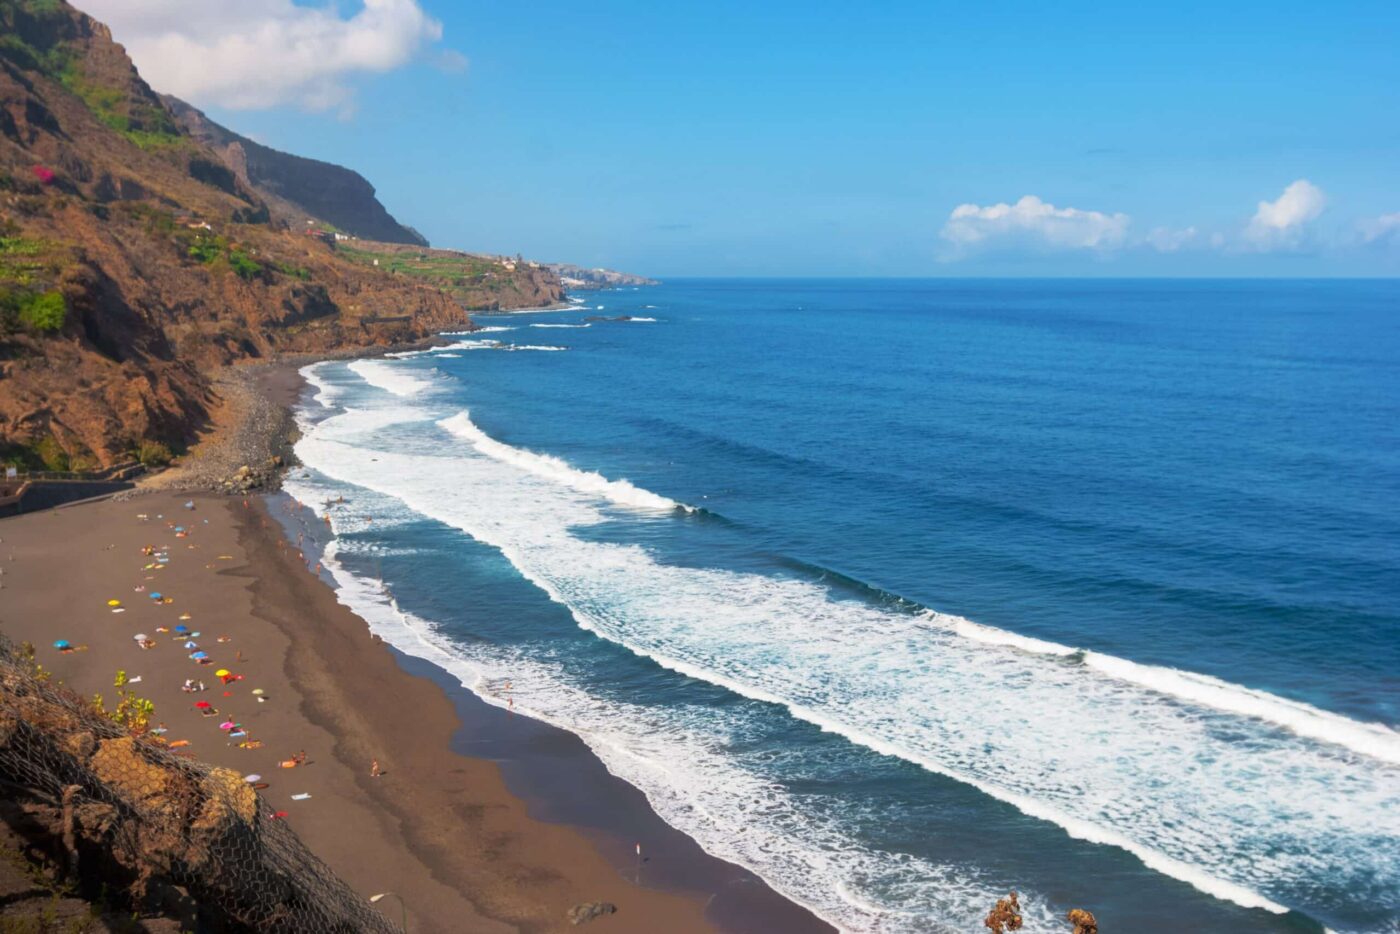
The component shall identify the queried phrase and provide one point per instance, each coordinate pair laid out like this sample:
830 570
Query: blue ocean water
907 593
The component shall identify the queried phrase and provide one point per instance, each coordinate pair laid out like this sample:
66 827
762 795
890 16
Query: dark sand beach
480 821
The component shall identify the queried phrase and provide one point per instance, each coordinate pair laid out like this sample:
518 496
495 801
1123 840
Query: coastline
483 820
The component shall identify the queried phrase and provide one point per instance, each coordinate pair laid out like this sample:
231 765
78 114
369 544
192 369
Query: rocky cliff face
134 261
297 188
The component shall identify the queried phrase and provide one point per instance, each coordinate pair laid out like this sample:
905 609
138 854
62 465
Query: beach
439 829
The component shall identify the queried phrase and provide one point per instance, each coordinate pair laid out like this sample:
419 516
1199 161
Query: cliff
294 187
134 261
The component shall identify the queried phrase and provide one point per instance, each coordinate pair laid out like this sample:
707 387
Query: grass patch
147 125
45 312
36 312
458 276
214 250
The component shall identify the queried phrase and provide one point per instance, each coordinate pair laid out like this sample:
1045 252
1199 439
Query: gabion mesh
161 817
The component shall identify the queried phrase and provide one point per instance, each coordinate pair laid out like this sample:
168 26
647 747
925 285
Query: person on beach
374 768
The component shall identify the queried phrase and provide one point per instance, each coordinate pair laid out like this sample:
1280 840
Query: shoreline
563 782
558 827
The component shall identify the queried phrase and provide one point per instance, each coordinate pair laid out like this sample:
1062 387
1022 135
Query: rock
1084 921
585 912
1005 916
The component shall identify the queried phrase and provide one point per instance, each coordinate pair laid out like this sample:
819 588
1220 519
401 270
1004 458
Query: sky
806 139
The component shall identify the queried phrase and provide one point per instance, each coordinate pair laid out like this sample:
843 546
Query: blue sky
800 139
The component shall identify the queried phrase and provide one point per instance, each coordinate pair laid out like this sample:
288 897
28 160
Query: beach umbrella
191 645
61 644
114 603
185 616
155 596
140 637
227 725
259 692
203 705
182 629
222 673
199 655
255 777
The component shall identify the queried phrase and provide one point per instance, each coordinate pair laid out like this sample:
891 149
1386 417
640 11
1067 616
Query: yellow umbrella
221 672
114 603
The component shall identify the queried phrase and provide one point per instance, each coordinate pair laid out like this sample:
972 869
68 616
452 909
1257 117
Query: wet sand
482 821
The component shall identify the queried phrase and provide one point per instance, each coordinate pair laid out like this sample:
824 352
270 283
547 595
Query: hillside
294 187
134 261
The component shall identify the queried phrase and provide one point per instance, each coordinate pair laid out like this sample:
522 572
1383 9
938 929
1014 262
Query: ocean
904 594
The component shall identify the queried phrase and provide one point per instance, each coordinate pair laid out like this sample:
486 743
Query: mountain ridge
134 262
297 188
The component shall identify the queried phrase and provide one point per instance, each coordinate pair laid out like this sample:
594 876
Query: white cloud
1281 224
252 54
1378 229
1033 223
1167 240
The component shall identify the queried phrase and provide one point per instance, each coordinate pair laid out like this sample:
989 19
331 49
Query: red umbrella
203 705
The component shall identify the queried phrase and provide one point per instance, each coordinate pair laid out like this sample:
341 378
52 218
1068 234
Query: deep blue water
1090 589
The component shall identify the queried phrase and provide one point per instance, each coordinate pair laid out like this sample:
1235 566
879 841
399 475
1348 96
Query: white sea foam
552 468
584 325
325 392
640 319
390 378
1233 804
1371 739
488 344
678 759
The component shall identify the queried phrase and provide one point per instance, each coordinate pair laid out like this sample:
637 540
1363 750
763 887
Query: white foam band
1232 790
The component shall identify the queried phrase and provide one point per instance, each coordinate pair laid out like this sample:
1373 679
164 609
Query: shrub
153 454
243 264
50 453
45 312
208 249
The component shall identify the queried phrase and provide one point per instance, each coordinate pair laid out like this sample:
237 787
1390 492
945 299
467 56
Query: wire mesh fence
155 819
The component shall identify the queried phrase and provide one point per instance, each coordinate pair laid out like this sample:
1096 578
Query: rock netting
127 814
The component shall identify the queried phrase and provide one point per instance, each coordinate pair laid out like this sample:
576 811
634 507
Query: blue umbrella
198 655
155 596
182 629
61 644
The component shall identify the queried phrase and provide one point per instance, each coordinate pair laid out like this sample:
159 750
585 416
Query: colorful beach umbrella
222 673
182 629
203 705
259 692
114 603
191 645
227 725
199 655
155 596
62 644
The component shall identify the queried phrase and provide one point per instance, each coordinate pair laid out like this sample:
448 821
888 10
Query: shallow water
906 593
